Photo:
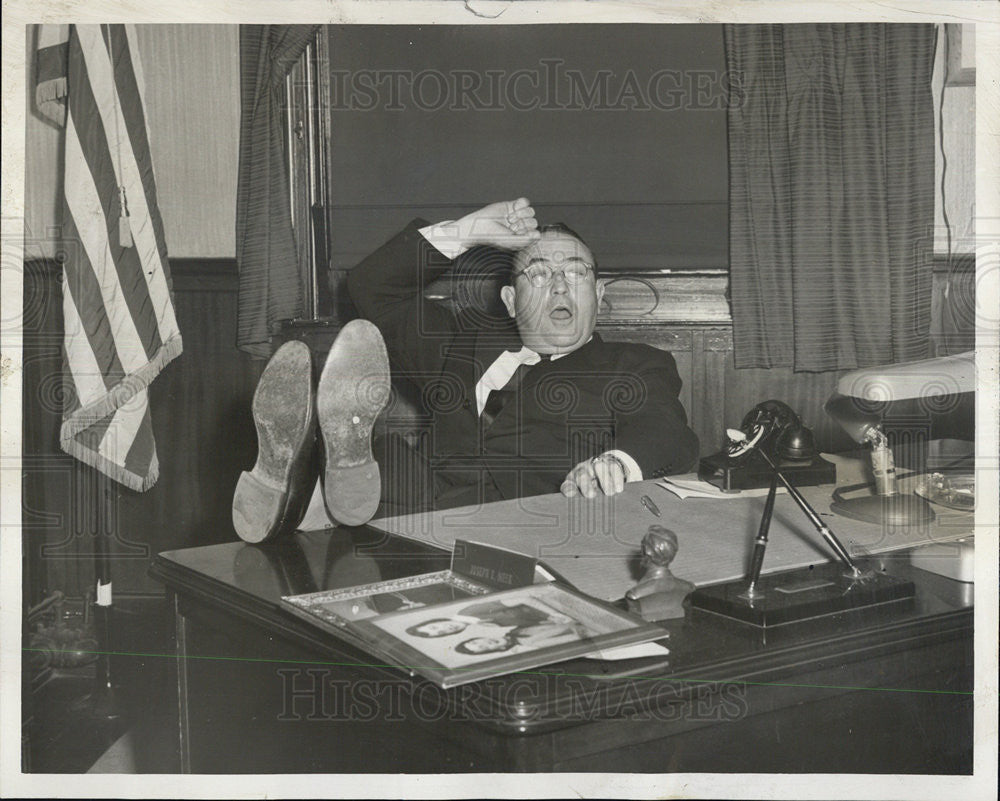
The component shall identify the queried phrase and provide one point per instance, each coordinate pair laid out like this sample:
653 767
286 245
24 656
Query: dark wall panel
204 433
618 130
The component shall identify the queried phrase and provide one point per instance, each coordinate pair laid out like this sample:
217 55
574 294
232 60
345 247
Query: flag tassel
124 229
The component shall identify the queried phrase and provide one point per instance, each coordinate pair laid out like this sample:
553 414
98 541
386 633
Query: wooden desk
884 691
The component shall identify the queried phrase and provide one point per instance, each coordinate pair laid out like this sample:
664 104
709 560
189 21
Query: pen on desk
648 503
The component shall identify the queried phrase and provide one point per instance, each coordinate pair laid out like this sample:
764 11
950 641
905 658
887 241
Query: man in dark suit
537 404
531 404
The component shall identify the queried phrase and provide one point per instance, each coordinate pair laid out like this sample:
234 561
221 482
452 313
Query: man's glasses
541 275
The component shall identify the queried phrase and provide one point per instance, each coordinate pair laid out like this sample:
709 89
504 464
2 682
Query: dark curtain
831 161
270 285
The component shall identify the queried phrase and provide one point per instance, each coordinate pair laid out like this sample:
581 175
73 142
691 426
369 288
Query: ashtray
955 492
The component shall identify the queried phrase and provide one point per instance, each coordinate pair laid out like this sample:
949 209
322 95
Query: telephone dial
775 428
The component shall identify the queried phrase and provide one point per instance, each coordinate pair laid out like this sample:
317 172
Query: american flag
120 329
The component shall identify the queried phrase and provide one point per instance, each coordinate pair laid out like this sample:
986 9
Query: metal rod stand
760 544
823 529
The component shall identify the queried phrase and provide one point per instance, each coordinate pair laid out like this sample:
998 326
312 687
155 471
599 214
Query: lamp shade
851 405
851 416
945 375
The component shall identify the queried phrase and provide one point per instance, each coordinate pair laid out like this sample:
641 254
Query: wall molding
637 298
205 275
688 236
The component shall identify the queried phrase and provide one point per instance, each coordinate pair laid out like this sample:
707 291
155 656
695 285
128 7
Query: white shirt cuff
446 237
633 471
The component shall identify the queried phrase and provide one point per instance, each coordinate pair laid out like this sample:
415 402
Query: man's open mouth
561 313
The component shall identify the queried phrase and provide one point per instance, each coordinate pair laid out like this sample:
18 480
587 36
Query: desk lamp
851 406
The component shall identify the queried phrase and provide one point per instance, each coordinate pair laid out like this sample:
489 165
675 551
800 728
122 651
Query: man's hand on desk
605 474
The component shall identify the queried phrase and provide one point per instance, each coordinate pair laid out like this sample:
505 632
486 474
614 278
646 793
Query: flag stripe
92 331
137 175
139 482
92 436
125 423
133 47
51 69
88 377
149 249
94 95
142 453
135 120
51 63
95 191
52 36
85 207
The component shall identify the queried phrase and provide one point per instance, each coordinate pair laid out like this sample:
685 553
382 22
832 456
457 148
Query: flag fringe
108 404
122 392
52 89
50 99
115 471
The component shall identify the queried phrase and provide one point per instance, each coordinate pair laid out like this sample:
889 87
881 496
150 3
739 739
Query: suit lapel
489 344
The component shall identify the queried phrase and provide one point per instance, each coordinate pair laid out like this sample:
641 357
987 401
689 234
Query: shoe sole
269 498
353 389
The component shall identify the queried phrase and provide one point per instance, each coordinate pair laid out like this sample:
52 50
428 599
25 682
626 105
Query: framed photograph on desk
340 607
476 638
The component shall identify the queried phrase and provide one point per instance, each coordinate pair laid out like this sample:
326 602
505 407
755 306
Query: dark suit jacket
601 396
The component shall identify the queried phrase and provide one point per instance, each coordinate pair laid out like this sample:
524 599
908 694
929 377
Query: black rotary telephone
771 426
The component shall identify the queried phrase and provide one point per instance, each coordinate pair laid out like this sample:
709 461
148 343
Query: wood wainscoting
716 395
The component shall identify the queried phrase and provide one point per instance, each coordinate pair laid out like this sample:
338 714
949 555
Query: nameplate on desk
499 568
804 586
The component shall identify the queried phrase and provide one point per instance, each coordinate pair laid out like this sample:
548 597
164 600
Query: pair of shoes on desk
288 408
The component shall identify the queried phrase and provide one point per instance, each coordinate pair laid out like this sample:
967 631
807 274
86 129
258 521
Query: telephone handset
774 427
762 427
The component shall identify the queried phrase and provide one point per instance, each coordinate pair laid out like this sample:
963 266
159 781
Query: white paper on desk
690 486
637 651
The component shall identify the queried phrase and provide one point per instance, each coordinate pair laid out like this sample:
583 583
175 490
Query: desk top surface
237 584
595 544
249 580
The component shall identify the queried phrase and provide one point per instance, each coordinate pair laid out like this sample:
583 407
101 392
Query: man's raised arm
387 287
508 224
